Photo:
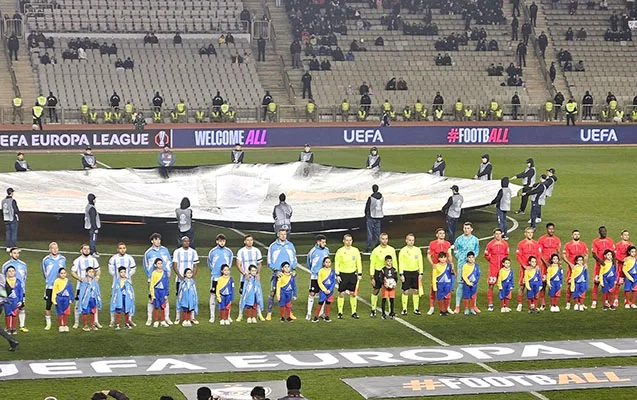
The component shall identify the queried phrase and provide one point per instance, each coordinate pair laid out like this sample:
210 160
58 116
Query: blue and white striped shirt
80 265
185 258
216 258
154 253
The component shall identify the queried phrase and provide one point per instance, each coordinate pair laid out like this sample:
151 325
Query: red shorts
521 280
543 272
596 277
494 271
620 274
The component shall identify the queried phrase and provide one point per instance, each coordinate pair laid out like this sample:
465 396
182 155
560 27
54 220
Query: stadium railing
297 113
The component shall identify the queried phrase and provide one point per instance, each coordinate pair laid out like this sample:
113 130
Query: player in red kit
496 251
573 249
599 246
526 248
621 249
550 244
440 245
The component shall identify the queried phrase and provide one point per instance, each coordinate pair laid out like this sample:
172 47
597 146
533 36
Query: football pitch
594 188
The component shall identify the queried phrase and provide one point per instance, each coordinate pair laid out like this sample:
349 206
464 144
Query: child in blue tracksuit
15 299
554 279
533 283
90 300
286 292
579 283
252 295
442 282
225 294
158 289
326 278
470 278
62 296
505 284
187 299
608 279
122 299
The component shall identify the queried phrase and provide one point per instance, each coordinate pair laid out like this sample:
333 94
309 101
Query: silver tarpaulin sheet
242 193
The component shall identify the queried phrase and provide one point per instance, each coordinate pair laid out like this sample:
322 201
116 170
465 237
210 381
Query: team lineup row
540 272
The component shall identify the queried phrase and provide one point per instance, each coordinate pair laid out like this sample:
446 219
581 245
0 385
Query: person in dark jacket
452 210
373 217
236 156
92 224
13 44
485 170
538 198
217 101
260 49
528 177
587 102
373 160
88 159
439 166
20 164
306 80
267 99
502 203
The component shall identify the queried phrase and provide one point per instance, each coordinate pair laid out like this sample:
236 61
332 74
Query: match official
411 270
349 271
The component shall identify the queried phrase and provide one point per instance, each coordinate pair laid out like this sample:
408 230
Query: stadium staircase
272 71
609 65
25 78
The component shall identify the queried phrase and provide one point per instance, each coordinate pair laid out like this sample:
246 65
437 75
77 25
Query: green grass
593 189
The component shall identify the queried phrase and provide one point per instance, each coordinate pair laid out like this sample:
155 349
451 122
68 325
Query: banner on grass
497 382
316 359
69 140
404 136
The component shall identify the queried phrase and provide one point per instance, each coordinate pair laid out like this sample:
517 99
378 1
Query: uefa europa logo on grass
478 135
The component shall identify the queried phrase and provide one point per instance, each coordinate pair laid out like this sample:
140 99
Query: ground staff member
92 223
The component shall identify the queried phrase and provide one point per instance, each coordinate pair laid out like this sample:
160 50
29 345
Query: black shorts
77 296
213 287
378 280
411 280
348 282
48 298
314 286
241 288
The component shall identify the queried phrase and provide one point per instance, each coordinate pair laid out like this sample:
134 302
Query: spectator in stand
119 65
587 103
150 38
521 53
515 24
526 33
515 102
493 70
614 19
295 51
581 34
260 49
363 89
552 72
438 102
13 44
542 42
337 55
45 59
564 56
603 5
568 66
128 64
229 38
516 7
493 45
315 65
533 14
379 41
610 97
391 84
572 7
177 39
306 80
350 56
446 60
579 67
326 65
401 85
81 54
354 46
515 80
569 34
49 43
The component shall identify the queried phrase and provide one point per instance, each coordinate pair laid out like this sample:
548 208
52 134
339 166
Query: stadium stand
160 16
176 71
413 58
608 64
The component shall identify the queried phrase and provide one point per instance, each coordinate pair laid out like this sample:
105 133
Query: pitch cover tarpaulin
242 193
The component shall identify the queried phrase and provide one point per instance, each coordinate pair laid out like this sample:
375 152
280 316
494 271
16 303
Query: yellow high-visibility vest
37 111
128 108
458 106
17 102
84 109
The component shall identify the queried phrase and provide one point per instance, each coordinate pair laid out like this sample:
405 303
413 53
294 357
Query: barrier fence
330 113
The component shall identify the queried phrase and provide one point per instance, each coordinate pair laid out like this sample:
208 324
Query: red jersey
495 252
620 251
600 246
573 249
526 249
550 245
436 247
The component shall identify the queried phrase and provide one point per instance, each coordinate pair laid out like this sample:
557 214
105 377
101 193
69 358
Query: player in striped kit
51 265
118 260
246 256
78 271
